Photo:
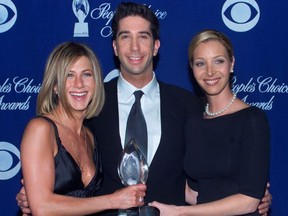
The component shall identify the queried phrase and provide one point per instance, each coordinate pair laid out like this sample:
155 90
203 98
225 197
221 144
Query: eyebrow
84 70
128 32
218 56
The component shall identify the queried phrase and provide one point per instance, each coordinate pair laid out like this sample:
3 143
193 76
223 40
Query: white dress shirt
150 104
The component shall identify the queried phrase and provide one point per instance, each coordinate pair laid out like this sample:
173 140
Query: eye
144 36
8 15
124 36
70 75
198 64
219 61
240 15
87 74
9 160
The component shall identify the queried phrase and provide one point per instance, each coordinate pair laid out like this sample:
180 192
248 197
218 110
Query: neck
139 80
74 123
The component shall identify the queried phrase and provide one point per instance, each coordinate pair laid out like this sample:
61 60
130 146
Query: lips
134 58
78 94
211 82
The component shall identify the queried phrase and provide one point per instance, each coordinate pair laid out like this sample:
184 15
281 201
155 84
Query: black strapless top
68 179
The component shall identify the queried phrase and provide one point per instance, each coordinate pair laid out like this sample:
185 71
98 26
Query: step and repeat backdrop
29 30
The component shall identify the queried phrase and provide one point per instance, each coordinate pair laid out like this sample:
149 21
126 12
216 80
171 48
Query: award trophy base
81 30
140 211
148 211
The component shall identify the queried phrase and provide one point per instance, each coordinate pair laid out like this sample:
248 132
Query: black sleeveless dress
68 179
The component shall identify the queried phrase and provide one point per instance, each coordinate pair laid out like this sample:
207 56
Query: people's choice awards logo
8 15
103 12
7 161
81 9
240 15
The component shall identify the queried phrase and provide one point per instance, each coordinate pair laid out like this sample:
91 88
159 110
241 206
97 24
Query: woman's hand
129 197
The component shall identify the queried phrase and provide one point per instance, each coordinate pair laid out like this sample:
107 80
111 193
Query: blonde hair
57 68
208 35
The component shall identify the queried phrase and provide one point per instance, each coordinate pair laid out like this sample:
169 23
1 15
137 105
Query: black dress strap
58 140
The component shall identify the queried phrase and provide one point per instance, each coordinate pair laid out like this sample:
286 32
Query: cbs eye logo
240 15
8 15
9 160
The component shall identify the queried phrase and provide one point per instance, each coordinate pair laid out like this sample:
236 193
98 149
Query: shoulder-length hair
58 65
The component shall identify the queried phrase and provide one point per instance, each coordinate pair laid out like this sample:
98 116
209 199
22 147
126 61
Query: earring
232 71
55 97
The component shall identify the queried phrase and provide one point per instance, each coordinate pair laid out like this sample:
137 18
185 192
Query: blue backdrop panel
30 30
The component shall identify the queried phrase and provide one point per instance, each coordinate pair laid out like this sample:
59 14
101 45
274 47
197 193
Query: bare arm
37 158
263 208
237 204
118 199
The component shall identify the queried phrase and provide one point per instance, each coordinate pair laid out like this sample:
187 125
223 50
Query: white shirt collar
126 89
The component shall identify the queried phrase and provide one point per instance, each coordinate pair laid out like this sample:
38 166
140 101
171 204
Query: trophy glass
133 169
81 10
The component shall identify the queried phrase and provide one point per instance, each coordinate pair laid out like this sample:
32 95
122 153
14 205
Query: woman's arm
37 157
237 204
191 198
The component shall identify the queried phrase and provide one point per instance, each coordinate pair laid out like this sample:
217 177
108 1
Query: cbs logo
240 15
9 161
8 15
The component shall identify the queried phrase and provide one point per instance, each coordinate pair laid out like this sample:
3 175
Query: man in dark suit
165 107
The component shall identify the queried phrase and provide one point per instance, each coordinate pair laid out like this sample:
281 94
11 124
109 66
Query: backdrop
29 30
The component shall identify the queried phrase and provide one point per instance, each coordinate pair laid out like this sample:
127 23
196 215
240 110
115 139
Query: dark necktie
136 125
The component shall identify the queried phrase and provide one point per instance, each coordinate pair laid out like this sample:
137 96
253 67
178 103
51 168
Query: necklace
78 151
220 111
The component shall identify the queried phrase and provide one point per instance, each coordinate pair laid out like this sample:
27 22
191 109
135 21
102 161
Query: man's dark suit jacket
166 181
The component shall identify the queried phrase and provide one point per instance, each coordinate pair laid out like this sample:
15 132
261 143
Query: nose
210 70
134 44
78 82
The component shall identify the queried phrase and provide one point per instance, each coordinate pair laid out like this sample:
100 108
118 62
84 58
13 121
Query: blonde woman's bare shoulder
38 131
39 125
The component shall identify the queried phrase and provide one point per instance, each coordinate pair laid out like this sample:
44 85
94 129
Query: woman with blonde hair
60 162
227 148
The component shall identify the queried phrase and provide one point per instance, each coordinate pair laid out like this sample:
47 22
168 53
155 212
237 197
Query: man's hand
22 201
265 202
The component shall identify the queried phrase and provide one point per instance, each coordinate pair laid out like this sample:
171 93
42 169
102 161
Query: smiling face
135 48
211 67
80 84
